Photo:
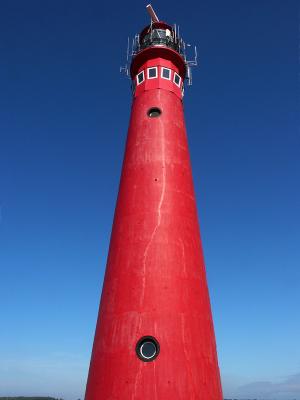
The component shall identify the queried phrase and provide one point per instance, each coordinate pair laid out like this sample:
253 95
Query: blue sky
64 111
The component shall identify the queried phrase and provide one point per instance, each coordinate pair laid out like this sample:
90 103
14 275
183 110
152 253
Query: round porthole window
154 112
147 348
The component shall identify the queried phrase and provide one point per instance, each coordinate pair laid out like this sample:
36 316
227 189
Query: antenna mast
151 12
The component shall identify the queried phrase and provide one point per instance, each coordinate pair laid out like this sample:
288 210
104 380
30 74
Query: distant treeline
28 398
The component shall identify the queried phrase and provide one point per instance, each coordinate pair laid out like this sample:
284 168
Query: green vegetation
29 398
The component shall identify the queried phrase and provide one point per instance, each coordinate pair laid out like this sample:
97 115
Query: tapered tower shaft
154 337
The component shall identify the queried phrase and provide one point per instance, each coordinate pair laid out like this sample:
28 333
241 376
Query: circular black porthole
154 112
147 348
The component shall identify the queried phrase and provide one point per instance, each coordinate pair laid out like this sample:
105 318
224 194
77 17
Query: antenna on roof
151 12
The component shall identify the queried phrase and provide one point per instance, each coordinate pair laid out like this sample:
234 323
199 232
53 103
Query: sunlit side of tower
154 338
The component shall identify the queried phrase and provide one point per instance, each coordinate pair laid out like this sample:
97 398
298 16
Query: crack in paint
155 388
190 371
183 256
133 397
158 210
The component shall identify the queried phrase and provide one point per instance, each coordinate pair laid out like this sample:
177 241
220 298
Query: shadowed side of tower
154 337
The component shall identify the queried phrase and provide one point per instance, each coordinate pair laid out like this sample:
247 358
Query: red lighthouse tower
154 338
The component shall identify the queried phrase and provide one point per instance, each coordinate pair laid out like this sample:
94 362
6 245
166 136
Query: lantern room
158 34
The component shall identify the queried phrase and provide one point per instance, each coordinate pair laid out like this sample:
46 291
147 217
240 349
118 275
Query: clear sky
64 111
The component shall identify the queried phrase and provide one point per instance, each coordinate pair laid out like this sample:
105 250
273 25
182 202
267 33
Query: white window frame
152 77
161 73
177 84
137 77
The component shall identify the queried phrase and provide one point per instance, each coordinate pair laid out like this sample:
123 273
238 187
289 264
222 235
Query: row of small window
152 73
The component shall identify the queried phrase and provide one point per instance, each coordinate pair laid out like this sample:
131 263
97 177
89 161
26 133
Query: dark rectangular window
140 77
177 79
152 72
166 73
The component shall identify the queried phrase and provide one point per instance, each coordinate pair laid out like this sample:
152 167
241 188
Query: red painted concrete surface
155 282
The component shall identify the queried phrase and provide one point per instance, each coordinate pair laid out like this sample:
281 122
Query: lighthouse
154 337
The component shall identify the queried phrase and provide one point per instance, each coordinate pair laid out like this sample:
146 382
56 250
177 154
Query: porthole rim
140 343
154 109
154 346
